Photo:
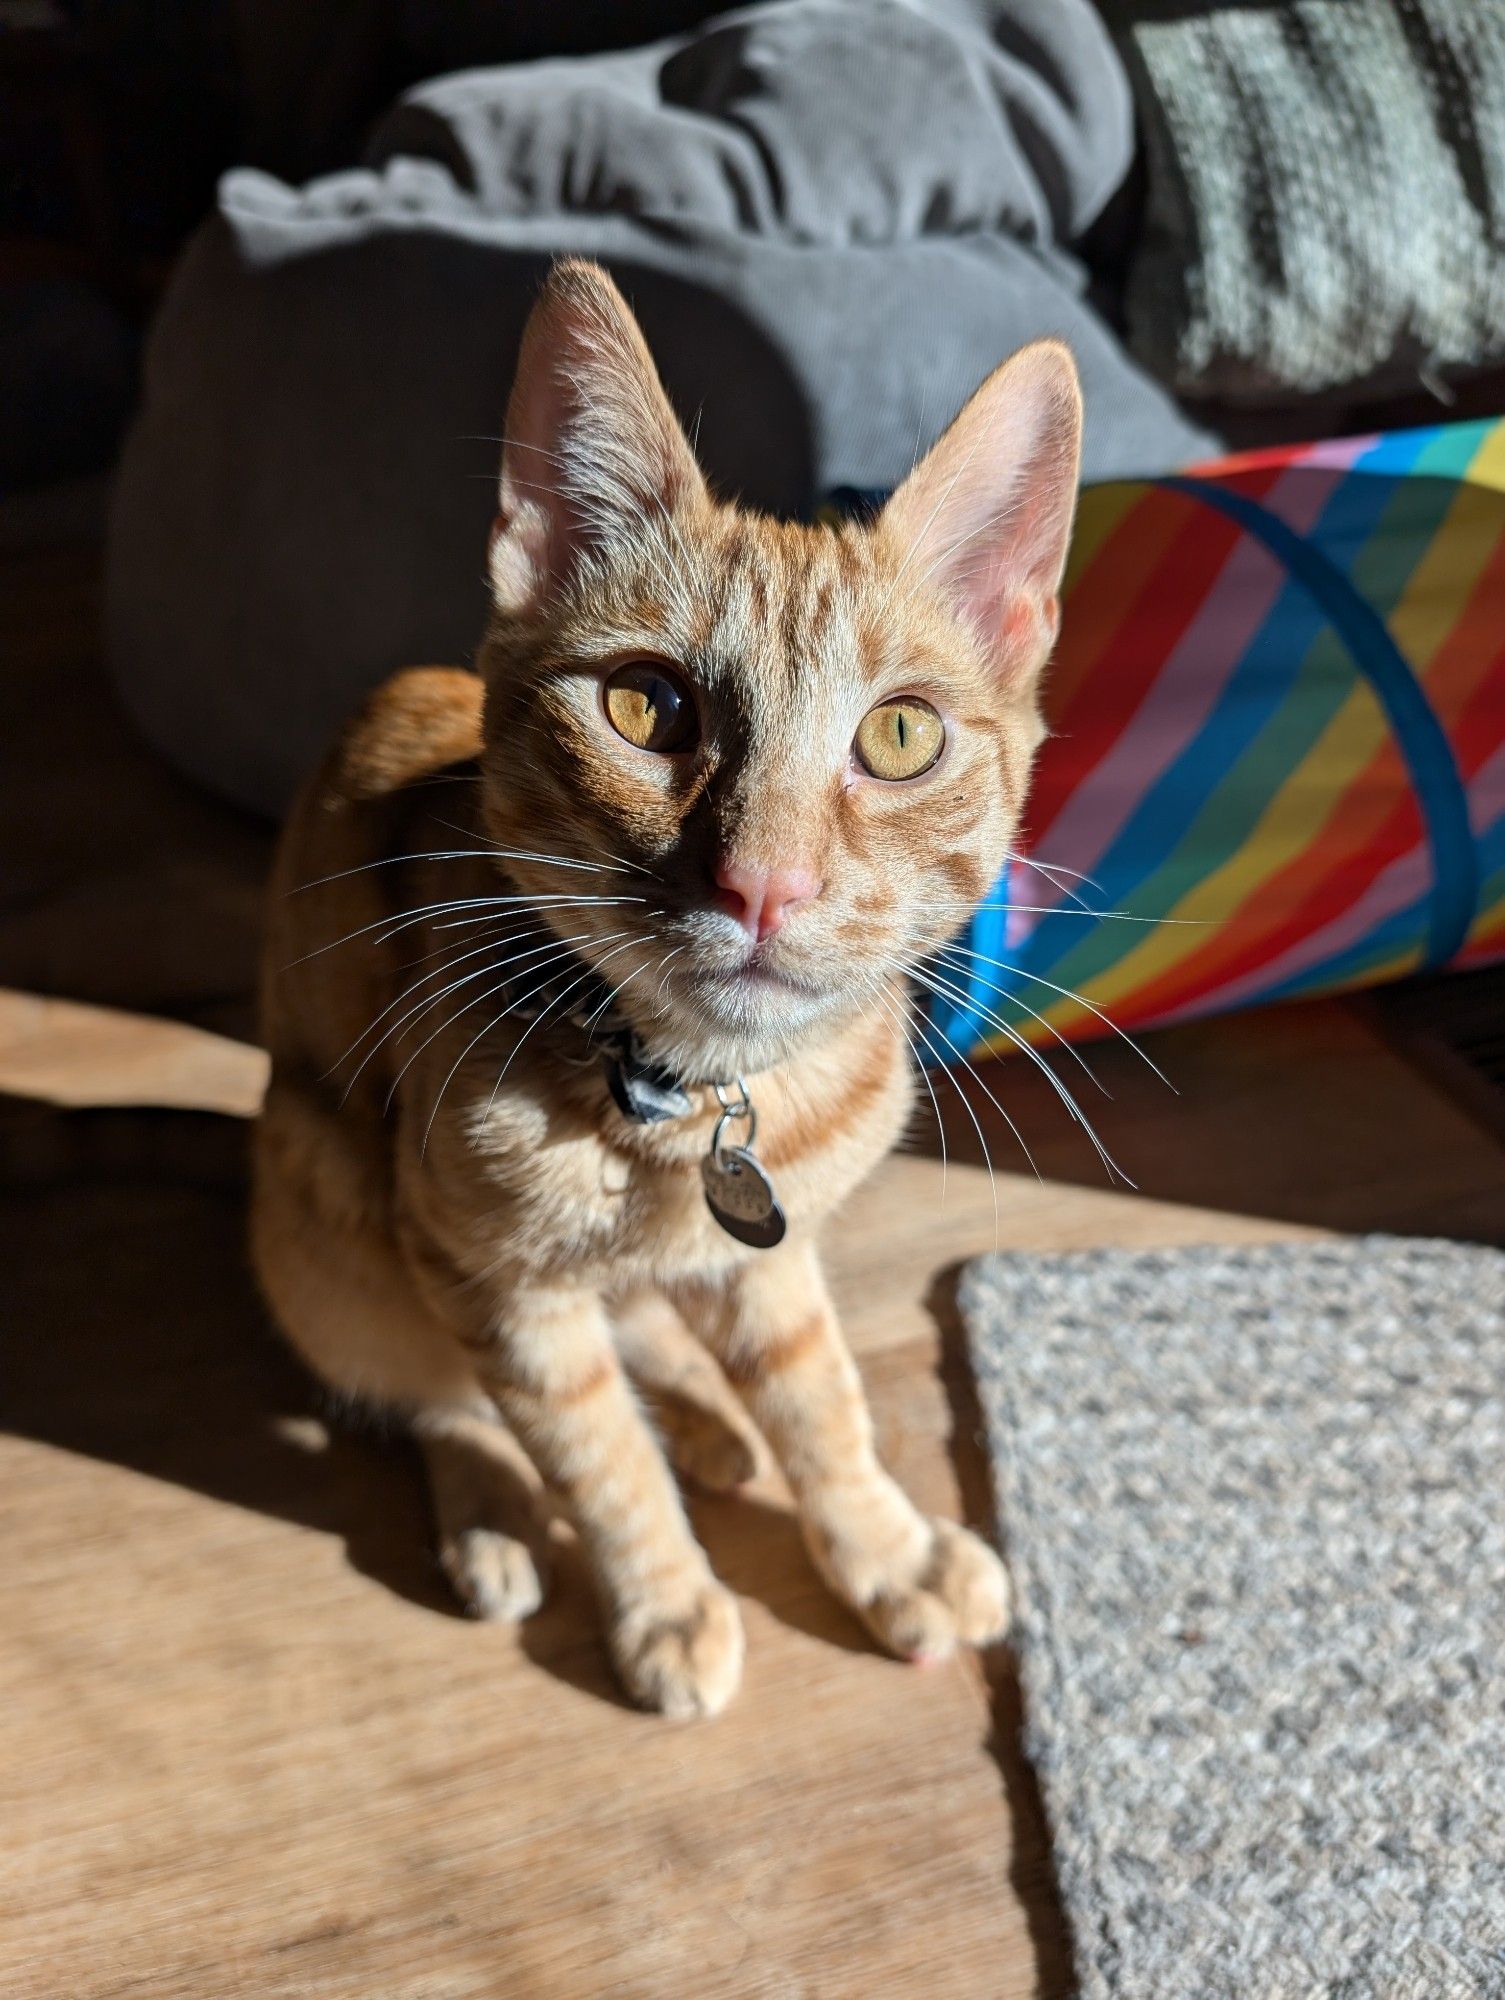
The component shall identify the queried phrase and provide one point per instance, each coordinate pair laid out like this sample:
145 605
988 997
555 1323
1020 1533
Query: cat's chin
736 1021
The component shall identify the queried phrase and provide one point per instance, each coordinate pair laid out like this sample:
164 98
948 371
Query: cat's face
788 761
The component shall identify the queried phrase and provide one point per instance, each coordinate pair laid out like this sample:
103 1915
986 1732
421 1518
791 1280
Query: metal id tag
740 1196
738 1191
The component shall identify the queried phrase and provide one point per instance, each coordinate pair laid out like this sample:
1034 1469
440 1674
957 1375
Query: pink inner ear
1026 630
517 556
1019 624
1005 573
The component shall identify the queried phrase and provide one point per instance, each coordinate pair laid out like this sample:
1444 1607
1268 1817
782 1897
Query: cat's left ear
985 517
593 449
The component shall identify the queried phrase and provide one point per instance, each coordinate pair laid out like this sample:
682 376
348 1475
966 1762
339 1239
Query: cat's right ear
593 450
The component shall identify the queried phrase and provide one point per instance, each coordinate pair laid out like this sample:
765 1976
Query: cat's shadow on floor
130 1331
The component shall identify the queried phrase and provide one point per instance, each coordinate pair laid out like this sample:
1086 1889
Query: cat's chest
613 1201
649 1206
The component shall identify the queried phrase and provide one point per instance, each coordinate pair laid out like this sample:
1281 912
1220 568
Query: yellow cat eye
900 739
650 706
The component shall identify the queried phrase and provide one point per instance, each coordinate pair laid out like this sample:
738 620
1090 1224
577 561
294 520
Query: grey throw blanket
834 217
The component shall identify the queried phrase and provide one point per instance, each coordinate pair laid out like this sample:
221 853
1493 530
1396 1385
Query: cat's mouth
714 1002
746 1010
756 976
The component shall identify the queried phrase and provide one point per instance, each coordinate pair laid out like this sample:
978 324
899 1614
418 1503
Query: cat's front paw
681 1660
710 1450
494 1574
951 1591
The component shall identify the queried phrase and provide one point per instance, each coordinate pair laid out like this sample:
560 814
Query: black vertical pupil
900 725
661 715
662 698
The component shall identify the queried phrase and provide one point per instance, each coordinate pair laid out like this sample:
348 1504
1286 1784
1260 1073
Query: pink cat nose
761 898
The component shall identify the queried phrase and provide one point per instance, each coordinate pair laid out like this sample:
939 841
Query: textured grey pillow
1326 201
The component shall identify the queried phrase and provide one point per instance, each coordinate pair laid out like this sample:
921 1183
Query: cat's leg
704 1428
921 1585
550 1362
348 1302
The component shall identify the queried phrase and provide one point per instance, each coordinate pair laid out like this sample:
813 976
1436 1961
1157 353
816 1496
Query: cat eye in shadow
650 707
900 739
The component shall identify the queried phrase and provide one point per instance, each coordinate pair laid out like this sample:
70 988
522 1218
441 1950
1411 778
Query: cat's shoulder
418 721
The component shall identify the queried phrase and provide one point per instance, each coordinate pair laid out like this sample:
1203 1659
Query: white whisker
421 1007
574 986
609 864
944 991
664 964
476 926
924 1029
393 925
454 854
1105 916
1052 875
950 951
444 1026
890 1008
611 995
1066 993
454 958
1051 869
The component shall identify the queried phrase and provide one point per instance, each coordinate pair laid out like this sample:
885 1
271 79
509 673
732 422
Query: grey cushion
833 217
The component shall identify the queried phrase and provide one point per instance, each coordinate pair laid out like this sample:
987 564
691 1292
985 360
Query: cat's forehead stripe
786 598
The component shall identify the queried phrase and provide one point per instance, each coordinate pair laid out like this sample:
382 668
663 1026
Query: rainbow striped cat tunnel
1277 756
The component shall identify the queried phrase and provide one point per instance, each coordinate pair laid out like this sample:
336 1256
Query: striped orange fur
450 1216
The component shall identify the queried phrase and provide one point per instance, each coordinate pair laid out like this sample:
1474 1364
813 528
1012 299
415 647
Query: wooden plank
245 1748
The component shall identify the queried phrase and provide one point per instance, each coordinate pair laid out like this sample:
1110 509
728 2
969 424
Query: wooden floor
246 1747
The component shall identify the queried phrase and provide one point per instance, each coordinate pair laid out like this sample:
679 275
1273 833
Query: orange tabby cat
719 782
